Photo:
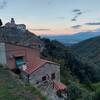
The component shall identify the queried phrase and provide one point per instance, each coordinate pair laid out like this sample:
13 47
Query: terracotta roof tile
36 64
59 86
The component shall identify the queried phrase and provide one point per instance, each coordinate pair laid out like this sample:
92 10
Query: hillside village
59 72
49 50
20 52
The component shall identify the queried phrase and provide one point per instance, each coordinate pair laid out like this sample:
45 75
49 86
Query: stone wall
2 53
46 70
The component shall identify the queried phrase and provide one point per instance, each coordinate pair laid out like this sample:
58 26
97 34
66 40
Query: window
19 61
37 82
44 78
53 76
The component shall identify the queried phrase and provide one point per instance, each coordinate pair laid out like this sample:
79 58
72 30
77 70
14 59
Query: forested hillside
89 49
88 52
79 66
81 76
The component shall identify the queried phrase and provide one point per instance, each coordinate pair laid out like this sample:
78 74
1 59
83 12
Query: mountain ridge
75 38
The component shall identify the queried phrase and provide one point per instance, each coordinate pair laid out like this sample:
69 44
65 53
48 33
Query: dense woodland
79 73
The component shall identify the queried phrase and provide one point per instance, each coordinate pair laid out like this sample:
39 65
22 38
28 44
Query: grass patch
12 89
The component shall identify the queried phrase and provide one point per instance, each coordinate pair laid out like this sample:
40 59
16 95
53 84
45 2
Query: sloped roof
36 65
59 86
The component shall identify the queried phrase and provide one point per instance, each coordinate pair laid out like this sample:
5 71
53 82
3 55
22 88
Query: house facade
14 56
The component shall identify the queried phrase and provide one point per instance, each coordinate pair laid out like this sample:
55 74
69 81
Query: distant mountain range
73 39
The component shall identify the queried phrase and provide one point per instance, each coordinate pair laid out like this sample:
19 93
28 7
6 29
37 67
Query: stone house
32 68
42 71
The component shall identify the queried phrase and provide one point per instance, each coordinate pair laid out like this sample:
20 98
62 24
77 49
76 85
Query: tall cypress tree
0 22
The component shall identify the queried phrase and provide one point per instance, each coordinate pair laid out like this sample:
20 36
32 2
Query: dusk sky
53 17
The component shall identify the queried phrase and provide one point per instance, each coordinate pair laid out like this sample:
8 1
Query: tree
0 22
97 94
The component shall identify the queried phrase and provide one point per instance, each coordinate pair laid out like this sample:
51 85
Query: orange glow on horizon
89 28
61 31
56 32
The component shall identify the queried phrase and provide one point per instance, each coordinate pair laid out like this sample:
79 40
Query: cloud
90 26
77 13
93 23
3 3
40 29
76 10
74 18
76 26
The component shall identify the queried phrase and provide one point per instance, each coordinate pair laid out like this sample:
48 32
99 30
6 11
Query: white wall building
12 24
